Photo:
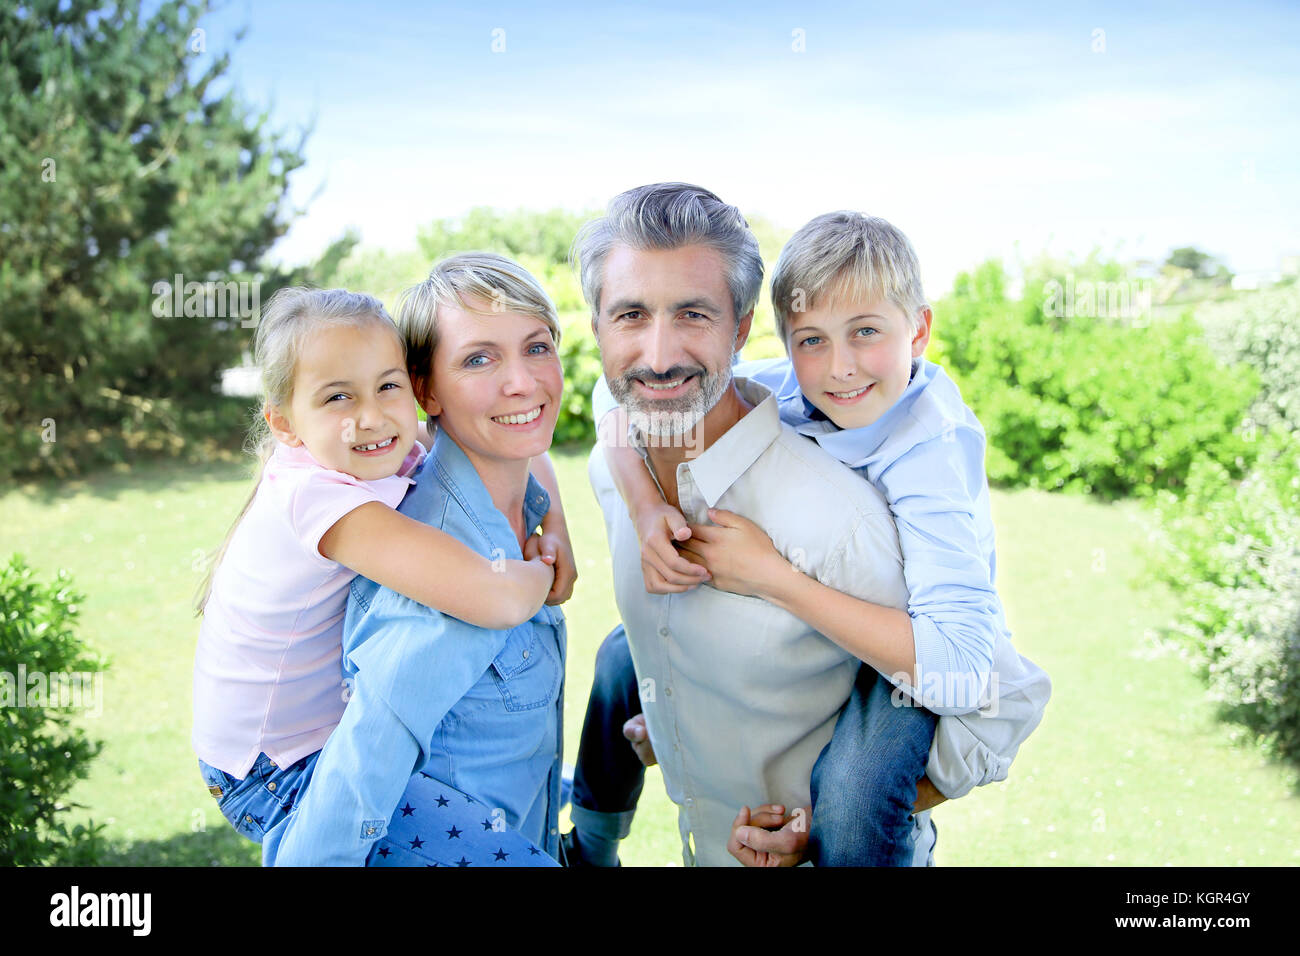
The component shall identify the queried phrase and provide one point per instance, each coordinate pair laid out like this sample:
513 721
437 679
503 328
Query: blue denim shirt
478 709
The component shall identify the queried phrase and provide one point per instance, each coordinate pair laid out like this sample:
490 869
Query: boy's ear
922 337
280 426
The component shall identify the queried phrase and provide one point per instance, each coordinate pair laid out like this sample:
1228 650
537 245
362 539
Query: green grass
1129 766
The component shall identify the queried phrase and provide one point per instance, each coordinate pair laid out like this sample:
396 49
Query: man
739 696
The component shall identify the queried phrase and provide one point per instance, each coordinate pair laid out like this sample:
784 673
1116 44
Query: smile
376 446
850 396
665 387
523 419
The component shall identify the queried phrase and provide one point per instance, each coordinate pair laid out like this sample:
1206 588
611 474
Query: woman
448 752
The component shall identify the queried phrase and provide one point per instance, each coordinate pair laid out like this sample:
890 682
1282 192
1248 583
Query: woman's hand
658 526
737 552
555 550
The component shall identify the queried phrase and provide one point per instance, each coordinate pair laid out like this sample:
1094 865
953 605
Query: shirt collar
854 446
459 476
299 456
720 466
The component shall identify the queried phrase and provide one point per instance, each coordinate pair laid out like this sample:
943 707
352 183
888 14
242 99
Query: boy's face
853 359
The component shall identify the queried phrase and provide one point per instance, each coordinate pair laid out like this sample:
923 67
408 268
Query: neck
506 481
671 451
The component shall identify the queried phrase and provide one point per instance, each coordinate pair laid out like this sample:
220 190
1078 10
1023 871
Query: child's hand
554 549
768 837
538 574
737 552
658 526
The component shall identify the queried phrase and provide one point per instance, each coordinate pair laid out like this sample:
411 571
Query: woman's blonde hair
288 317
501 284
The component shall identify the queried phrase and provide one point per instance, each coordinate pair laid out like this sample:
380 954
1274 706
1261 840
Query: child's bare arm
432 567
658 524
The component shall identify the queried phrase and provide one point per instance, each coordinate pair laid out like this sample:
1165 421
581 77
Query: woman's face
495 384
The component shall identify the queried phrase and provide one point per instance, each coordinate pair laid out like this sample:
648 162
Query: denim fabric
864 782
478 709
263 798
438 825
608 778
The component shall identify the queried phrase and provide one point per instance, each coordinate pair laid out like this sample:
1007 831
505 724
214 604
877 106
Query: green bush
1095 404
1231 549
580 357
1262 329
42 752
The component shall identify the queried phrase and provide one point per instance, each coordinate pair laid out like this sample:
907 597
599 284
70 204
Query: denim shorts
263 798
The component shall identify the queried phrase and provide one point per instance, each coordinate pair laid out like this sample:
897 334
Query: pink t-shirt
267 674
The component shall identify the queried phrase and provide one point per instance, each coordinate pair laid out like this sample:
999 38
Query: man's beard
669 417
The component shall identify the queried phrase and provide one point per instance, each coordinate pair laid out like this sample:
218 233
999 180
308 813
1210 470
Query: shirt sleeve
322 497
412 665
977 748
602 400
956 615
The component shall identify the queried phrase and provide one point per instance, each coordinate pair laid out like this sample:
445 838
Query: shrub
42 753
1112 407
1232 551
580 357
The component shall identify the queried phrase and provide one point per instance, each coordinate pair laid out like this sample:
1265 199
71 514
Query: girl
339 451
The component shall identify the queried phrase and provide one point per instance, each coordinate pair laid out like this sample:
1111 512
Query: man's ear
280 426
742 330
922 337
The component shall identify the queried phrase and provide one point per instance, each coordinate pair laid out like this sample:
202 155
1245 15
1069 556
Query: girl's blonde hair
287 319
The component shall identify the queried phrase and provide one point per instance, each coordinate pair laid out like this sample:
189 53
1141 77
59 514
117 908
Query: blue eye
473 361
811 340
867 329
539 345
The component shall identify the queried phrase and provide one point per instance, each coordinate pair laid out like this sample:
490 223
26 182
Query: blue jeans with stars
434 825
438 825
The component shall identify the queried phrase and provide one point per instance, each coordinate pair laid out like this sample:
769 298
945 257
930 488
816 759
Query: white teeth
379 444
519 419
668 386
853 394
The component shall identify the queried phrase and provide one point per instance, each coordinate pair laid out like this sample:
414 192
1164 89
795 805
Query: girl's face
352 406
495 384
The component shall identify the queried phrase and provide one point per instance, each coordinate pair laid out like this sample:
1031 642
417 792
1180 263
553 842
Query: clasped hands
733 554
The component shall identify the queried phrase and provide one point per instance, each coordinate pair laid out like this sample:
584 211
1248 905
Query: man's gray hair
846 257
668 216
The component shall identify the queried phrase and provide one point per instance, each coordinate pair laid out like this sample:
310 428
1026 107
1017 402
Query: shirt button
690 802
370 831
554 831
271 786
525 655
247 818
668 692
663 632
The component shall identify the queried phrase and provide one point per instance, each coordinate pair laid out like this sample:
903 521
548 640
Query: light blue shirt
926 455
478 709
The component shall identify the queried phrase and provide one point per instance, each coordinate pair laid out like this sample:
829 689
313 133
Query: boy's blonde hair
288 318
503 284
844 256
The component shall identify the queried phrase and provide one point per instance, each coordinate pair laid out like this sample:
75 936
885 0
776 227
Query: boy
849 305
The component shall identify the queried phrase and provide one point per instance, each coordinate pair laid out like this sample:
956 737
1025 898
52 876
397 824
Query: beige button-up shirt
739 695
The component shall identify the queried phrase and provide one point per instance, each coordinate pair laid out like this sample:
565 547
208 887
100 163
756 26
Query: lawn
1129 766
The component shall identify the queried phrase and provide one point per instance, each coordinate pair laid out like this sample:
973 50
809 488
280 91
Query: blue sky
979 131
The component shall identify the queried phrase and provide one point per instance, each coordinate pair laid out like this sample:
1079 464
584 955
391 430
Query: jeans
261 799
863 784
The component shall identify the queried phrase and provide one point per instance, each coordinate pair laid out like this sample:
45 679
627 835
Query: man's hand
768 837
555 550
658 527
635 731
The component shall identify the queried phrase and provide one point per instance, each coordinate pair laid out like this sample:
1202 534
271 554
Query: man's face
667 330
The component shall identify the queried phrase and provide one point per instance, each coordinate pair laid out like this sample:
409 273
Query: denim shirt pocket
526 672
